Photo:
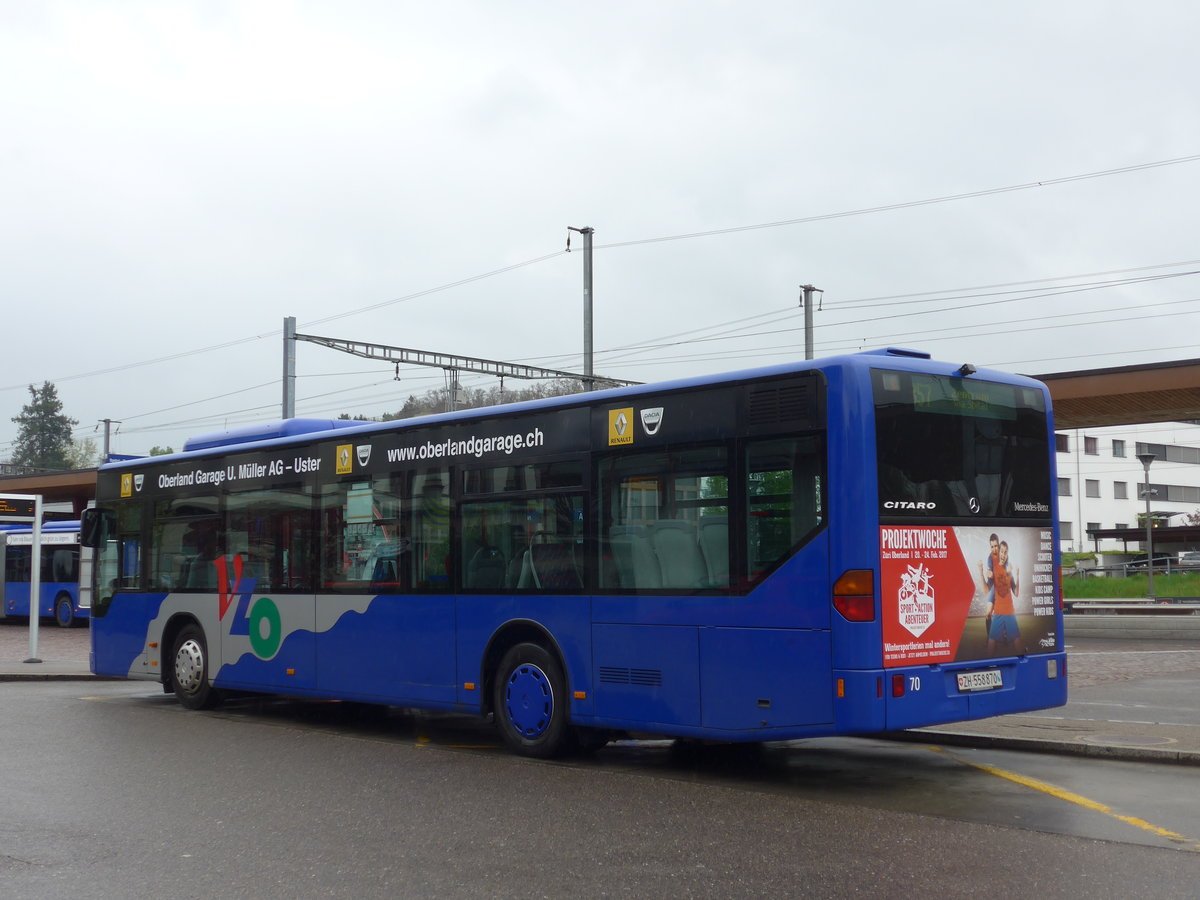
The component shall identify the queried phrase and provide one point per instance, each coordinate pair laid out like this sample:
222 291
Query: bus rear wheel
189 670
530 702
64 611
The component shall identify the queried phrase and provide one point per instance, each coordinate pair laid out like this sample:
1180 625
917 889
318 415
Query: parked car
1190 558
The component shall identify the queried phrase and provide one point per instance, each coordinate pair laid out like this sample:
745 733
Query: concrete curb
1068 748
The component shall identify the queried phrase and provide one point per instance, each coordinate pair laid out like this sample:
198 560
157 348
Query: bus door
265 590
769 662
385 609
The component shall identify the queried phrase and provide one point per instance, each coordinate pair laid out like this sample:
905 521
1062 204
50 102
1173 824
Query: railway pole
289 367
1146 459
809 290
587 232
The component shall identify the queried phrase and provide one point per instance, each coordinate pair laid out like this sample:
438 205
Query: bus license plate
980 681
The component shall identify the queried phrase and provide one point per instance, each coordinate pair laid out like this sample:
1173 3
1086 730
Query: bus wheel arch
525 684
64 610
186 671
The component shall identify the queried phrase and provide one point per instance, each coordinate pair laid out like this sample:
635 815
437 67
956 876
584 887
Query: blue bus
841 546
60 598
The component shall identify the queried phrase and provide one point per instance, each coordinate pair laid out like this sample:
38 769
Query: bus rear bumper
911 697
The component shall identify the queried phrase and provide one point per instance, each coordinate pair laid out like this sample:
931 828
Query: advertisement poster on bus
966 593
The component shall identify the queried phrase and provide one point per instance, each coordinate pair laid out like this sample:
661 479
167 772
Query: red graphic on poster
927 593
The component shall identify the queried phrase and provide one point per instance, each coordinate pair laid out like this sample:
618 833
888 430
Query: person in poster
985 577
1003 585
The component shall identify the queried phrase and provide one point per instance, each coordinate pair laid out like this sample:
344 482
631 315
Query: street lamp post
1146 459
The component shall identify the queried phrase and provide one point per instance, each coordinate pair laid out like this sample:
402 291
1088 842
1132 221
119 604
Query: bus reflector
897 685
854 595
841 688
581 695
468 685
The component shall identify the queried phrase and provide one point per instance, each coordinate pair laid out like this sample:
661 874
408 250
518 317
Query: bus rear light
897 685
854 595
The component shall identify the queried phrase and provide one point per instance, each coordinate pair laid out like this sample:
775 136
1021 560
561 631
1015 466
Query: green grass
1076 588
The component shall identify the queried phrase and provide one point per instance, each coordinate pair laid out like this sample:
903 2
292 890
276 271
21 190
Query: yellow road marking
1071 797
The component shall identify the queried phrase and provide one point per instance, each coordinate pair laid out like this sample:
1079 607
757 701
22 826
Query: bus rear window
958 447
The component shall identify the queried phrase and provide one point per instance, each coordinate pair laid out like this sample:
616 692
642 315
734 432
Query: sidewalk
1120 693
63 652
1113 668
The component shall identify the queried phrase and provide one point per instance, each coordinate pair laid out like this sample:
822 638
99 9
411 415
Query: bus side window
522 527
64 564
784 499
271 533
431 557
187 539
666 520
18 566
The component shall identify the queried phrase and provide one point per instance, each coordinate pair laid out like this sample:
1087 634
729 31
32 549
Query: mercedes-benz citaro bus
842 546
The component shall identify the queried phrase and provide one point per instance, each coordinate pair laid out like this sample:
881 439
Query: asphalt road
112 789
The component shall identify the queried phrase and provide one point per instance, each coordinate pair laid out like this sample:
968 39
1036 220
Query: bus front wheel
530 702
189 670
64 611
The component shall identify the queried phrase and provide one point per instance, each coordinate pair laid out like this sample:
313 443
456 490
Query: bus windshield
952 447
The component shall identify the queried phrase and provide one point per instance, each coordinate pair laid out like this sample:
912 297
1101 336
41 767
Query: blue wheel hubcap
529 700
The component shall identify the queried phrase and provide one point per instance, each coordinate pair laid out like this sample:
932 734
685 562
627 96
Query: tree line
437 400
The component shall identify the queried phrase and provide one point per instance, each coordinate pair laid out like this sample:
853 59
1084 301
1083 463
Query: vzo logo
260 622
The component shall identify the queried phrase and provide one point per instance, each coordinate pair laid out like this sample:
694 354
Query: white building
1101 479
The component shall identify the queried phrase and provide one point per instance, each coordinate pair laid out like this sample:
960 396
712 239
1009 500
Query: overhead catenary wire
1048 182
923 297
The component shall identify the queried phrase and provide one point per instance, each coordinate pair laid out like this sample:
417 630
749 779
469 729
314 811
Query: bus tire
64 611
530 702
189 670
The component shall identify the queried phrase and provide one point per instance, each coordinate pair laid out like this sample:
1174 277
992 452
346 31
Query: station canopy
1126 395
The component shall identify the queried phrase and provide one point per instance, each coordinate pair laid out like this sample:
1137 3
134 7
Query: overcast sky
176 178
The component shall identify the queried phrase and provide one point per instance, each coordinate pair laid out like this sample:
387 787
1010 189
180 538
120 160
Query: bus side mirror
94 527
